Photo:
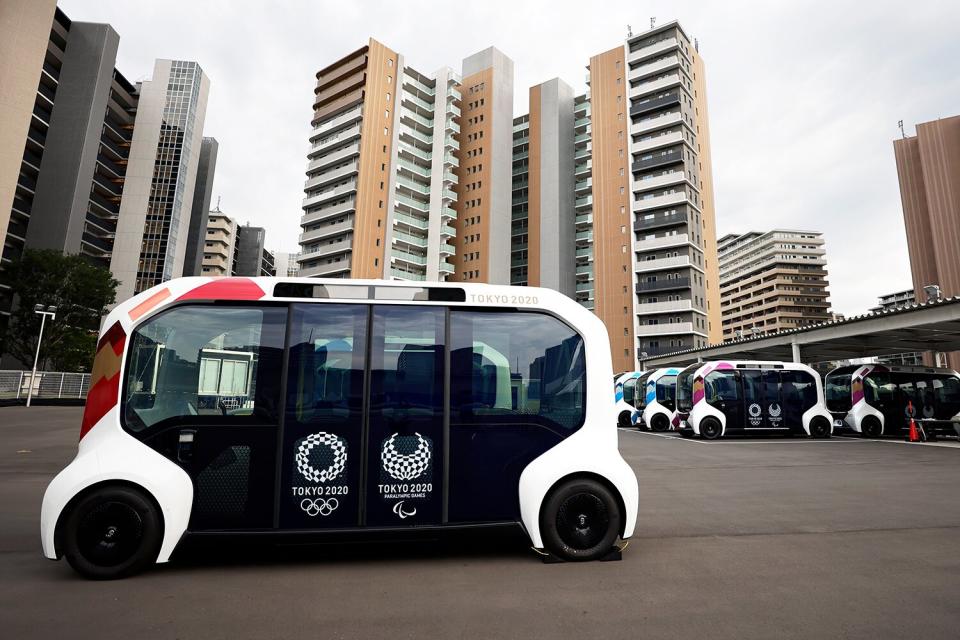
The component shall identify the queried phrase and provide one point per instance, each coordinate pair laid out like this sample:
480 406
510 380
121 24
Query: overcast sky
804 97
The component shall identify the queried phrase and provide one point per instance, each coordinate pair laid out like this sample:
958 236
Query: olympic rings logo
320 506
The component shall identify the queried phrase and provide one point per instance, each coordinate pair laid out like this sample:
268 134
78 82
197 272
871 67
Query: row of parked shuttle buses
718 398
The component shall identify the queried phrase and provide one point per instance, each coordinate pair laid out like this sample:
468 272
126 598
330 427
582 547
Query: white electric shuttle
719 398
659 399
625 396
277 406
876 400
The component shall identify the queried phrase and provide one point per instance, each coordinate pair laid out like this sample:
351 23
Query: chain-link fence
15 385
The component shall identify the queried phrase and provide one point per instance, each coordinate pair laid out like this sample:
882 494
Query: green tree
81 292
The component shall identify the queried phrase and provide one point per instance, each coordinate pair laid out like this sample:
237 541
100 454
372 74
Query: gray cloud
804 97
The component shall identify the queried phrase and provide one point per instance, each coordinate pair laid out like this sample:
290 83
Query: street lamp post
49 311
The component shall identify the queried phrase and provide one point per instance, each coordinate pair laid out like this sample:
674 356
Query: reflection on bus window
721 386
204 361
507 366
667 391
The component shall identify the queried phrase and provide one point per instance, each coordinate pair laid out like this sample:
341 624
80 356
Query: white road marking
743 441
945 445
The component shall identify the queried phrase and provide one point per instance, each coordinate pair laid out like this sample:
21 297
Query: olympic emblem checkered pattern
333 453
406 466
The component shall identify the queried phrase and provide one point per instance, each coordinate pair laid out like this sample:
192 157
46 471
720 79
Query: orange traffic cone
912 436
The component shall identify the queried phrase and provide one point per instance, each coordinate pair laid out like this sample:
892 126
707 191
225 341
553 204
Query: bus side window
946 390
506 365
721 386
666 391
629 390
798 389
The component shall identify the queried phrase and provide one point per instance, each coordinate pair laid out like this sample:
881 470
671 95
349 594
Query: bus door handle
185 444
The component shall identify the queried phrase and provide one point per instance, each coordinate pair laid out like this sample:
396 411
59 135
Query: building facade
252 257
379 196
771 281
67 165
220 245
200 208
154 219
928 166
605 196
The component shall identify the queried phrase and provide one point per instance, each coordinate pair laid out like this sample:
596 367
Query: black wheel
710 429
112 532
820 428
659 422
623 421
580 520
871 427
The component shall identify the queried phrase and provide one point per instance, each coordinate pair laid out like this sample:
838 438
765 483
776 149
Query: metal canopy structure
931 326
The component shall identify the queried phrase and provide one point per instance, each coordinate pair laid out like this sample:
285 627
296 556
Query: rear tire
871 427
112 532
819 428
710 429
659 422
580 520
623 420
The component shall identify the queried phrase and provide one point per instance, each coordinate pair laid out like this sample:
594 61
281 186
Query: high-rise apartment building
606 196
653 208
220 245
286 263
771 281
484 205
200 208
66 159
380 175
928 165
154 221
252 257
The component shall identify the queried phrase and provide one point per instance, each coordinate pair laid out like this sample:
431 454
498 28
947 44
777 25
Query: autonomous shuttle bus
659 401
876 400
278 406
753 397
625 396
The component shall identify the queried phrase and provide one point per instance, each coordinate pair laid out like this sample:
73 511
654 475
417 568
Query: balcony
651 50
419 242
662 159
657 141
323 269
326 250
396 255
353 115
323 144
654 182
659 221
667 306
412 203
655 104
655 86
663 263
665 284
669 328
675 240
330 194
656 122
333 158
665 200
332 175
326 231
410 221
651 68
585 201
318 215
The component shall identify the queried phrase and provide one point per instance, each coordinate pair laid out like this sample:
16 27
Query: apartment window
388 96
385 130
389 79
389 62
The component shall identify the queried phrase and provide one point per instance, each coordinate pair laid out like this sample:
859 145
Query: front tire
710 429
819 428
112 532
580 520
623 420
659 422
871 427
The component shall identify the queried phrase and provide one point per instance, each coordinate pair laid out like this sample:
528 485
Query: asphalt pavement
782 538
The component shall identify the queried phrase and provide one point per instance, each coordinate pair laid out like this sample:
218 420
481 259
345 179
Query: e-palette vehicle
279 406
659 401
625 397
727 397
876 400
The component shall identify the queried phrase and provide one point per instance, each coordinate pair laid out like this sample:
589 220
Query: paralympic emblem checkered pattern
409 466
332 452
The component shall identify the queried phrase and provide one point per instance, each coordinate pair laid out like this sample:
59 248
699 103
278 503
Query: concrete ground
736 539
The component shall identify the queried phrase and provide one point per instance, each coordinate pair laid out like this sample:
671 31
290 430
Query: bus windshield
641 391
837 390
685 388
